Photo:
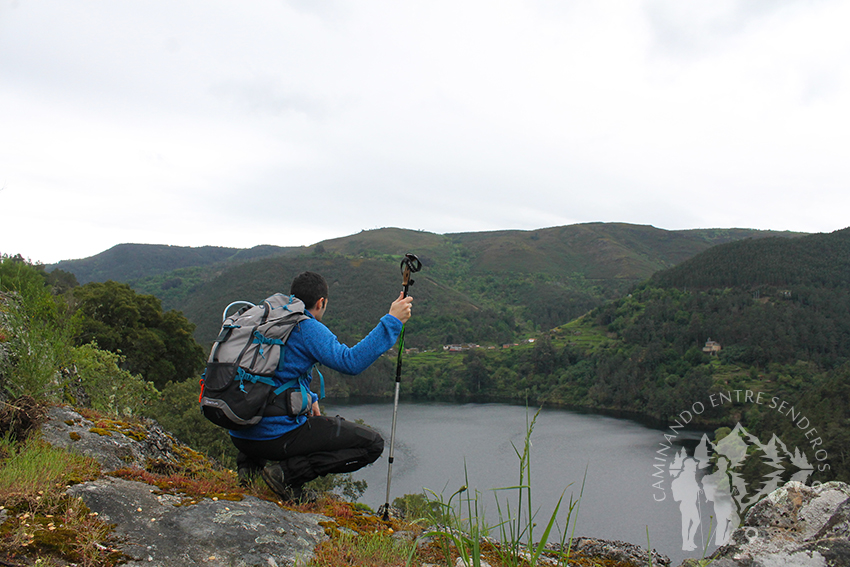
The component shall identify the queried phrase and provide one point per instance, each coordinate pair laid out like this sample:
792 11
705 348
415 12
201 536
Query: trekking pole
409 265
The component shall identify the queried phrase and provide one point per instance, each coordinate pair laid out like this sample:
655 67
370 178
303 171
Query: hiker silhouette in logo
718 490
725 487
291 450
685 488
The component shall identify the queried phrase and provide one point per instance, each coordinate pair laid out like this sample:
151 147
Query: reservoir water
434 442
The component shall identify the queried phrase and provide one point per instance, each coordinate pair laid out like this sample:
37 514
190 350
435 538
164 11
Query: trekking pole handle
409 265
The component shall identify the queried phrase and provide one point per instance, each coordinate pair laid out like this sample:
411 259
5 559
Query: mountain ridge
129 261
173 257
486 287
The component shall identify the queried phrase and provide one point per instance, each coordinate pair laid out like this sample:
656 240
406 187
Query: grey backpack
238 387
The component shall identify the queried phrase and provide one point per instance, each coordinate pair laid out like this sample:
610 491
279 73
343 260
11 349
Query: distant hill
779 309
127 262
594 250
597 250
817 259
487 287
767 301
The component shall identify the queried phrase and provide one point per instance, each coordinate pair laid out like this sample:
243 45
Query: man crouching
291 451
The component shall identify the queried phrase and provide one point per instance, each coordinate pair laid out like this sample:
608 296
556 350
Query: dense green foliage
34 288
56 334
33 331
98 381
40 354
159 346
38 357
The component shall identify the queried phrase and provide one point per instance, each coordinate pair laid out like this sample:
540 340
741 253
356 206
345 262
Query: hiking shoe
248 470
273 475
247 475
308 495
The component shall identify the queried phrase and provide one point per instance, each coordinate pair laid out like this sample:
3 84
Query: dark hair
309 287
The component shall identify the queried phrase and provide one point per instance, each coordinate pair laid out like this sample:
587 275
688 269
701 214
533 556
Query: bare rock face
794 526
154 528
620 552
114 446
158 530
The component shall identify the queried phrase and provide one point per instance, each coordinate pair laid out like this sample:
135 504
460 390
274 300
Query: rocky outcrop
113 444
794 526
152 527
159 529
619 552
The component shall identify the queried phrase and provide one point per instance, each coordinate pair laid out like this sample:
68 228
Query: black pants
323 445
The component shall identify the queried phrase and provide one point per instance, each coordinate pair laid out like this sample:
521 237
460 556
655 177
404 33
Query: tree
26 280
543 356
475 374
157 345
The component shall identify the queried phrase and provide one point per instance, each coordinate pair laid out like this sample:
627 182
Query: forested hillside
361 291
779 310
487 288
816 260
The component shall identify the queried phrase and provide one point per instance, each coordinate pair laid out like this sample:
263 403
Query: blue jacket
310 343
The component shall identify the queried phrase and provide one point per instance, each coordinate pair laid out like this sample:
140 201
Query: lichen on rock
112 443
156 531
795 525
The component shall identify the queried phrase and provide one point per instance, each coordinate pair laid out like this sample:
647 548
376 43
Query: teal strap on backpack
286 307
243 376
300 383
321 382
261 340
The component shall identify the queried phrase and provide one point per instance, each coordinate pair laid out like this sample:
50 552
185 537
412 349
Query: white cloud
166 121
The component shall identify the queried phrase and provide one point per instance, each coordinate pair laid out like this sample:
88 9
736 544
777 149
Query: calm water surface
434 441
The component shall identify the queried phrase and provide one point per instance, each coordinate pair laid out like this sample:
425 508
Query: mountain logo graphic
713 476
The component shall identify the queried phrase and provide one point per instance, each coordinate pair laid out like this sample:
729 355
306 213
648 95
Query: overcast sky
289 122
